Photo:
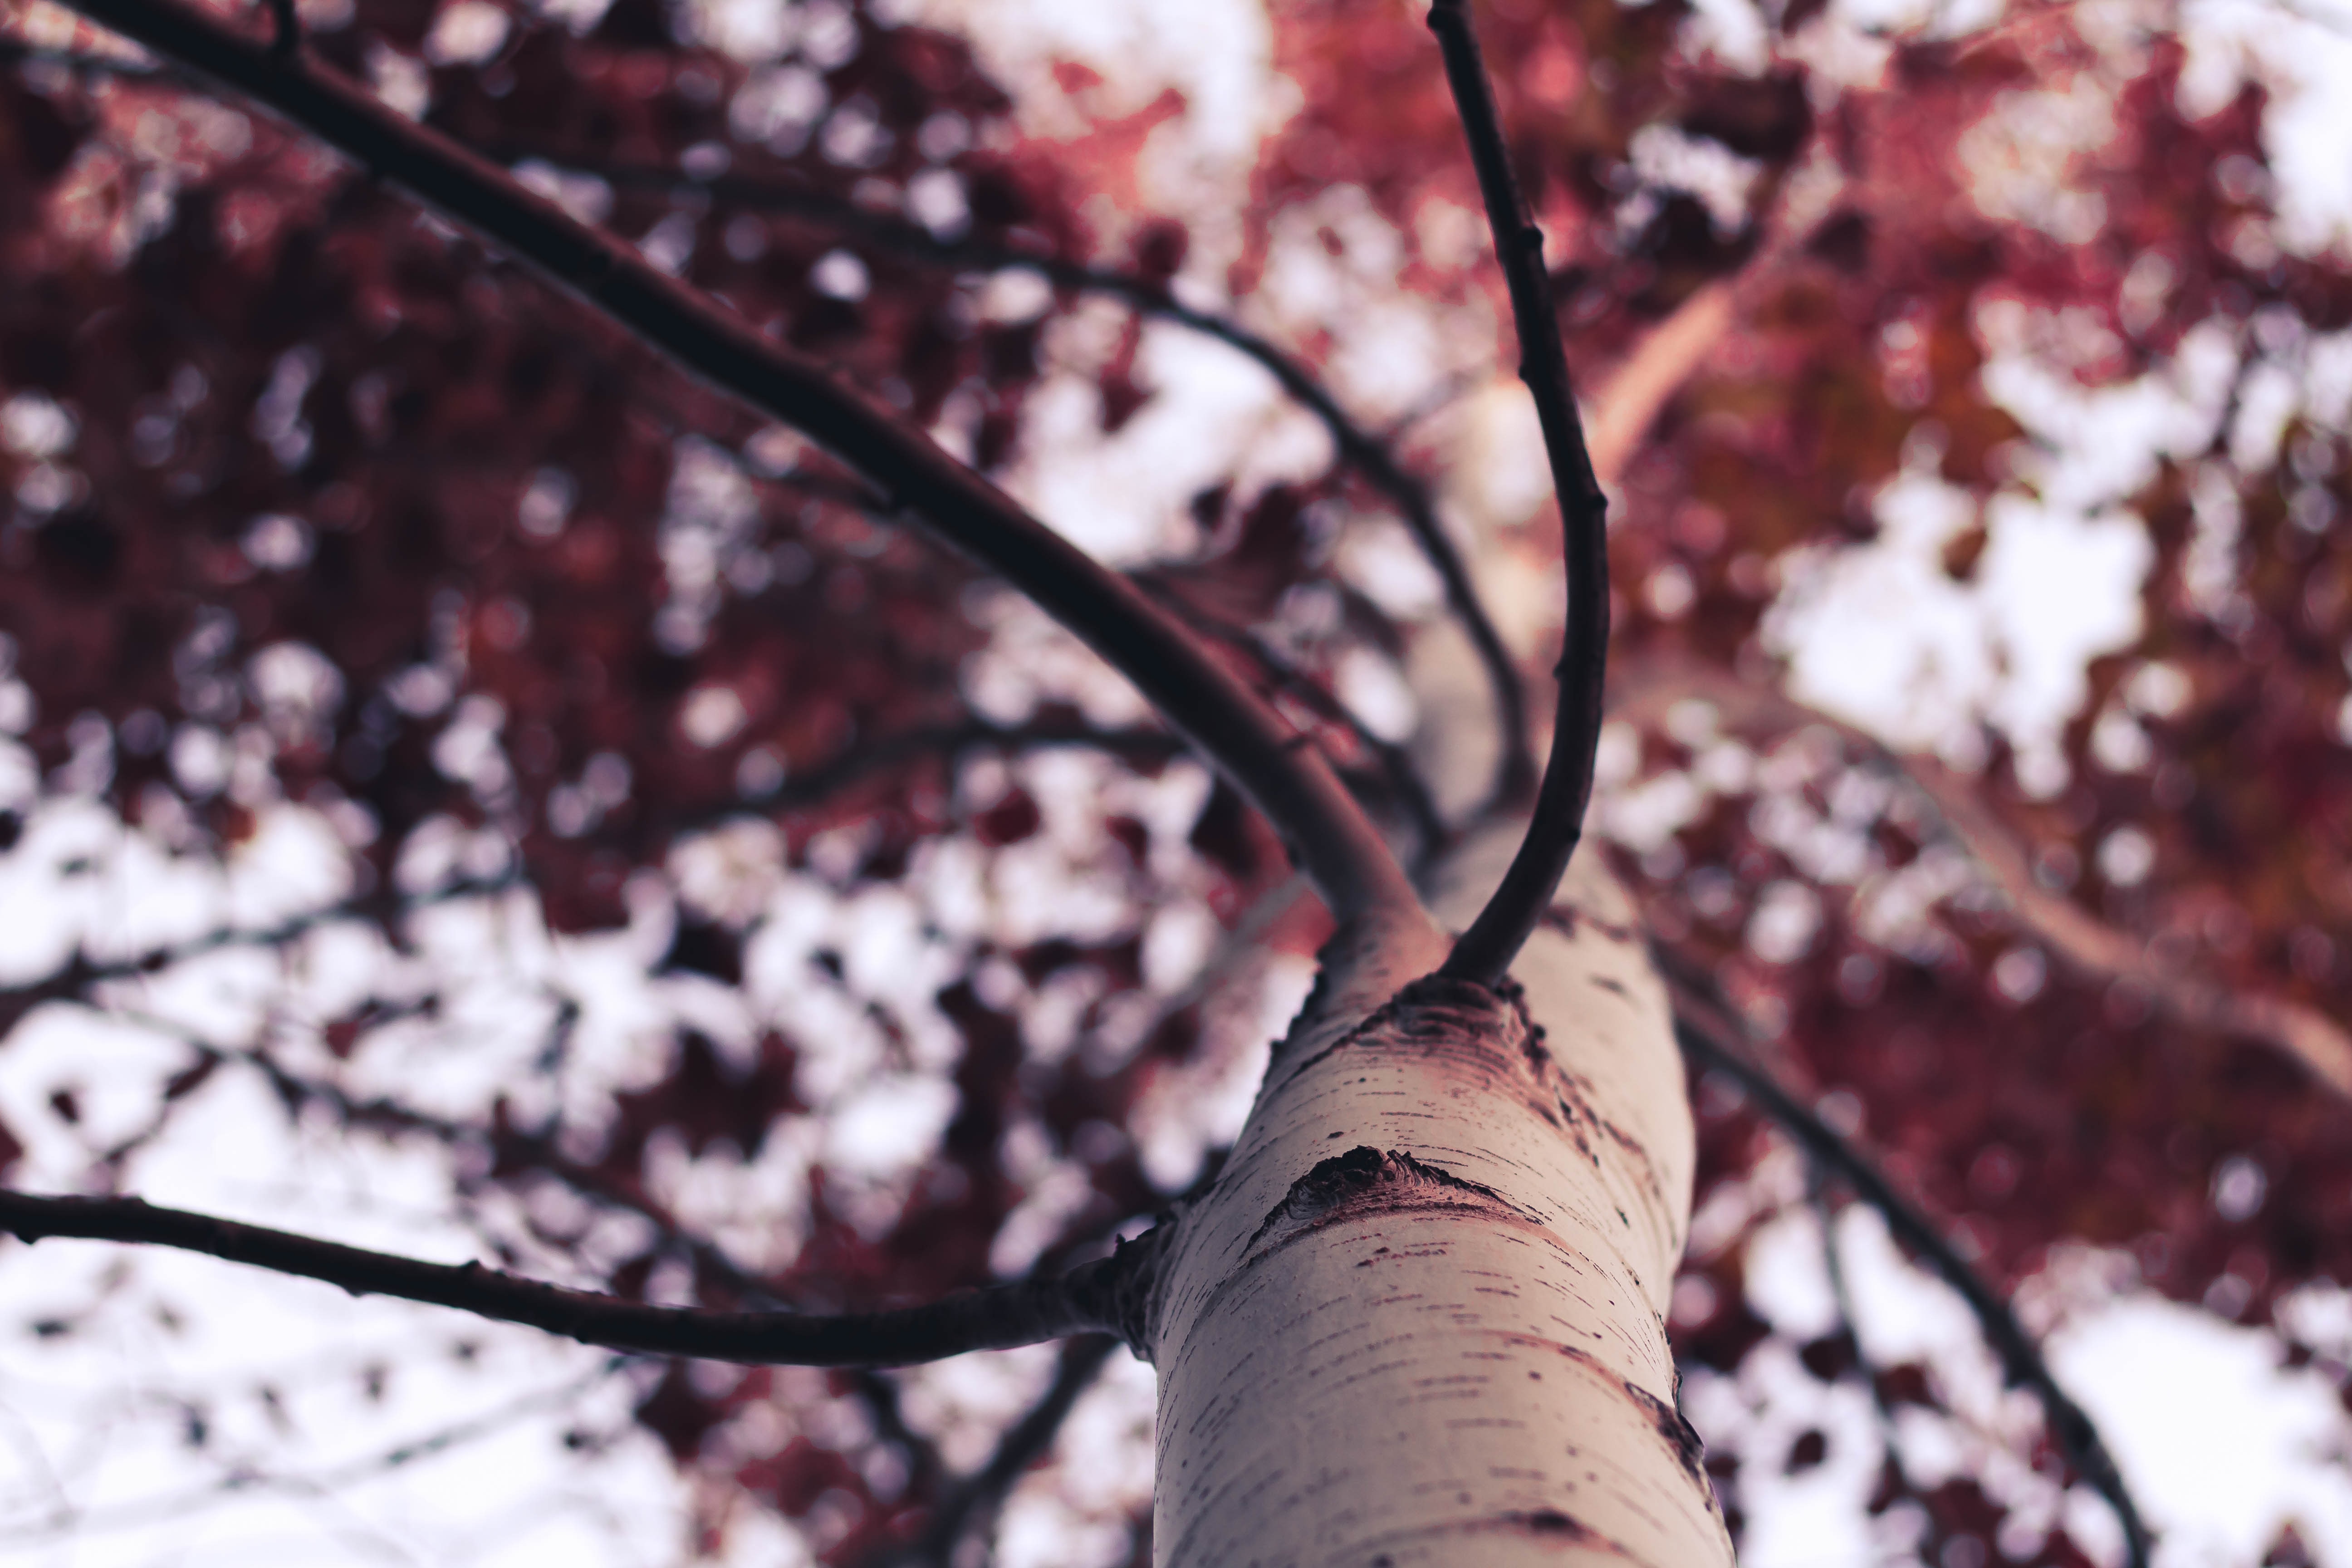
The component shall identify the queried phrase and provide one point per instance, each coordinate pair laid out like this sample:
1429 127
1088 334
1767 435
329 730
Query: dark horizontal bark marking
1547 1525
1368 1181
1567 920
1679 1434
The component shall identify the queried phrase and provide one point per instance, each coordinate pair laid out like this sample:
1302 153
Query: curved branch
1089 1300
1708 1031
1359 448
1396 766
1494 938
1299 793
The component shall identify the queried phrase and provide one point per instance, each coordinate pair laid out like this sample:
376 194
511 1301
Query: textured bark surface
1419 1320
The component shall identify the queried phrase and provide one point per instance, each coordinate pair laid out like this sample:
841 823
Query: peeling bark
1419 1318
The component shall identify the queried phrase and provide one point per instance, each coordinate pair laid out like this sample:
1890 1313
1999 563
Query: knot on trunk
1367 1181
1116 1292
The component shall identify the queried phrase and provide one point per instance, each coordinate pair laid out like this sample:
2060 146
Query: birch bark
1419 1318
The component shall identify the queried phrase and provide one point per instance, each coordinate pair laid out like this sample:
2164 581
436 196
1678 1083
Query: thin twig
73 981
1369 453
1494 938
1093 1298
1713 1036
163 1510
873 1387
972 1504
1404 782
2084 942
1297 790
1842 1292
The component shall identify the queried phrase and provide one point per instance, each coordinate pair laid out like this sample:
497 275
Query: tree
537 762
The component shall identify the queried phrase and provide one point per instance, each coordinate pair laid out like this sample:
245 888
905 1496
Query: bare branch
971 1503
68 1521
1840 1292
1404 782
1297 790
2086 943
1368 453
1714 1038
1494 938
544 1152
74 979
1091 1298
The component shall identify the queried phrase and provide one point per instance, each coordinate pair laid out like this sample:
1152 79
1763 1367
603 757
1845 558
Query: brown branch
1715 1038
1366 452
1333 838
1494 938
2078 938
1092 1299
1640 386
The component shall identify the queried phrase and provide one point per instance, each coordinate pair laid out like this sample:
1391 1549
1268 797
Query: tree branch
1091 1298
1363 450
74 980
971 1503
1714 1038
1297 791
1494 938
544 1150
163 1509
1394 764
2080 939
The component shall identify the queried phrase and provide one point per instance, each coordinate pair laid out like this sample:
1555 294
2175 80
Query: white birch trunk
1418 1319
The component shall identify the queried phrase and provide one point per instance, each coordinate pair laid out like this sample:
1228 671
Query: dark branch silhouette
1714 1038
1394 766
1369 453
380 906
1296 789
971 1504
1095 1298
64 1519
1494 938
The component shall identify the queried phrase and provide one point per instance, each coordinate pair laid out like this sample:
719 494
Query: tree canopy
473 787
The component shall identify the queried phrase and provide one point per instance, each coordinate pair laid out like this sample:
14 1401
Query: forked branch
1095 1298
1494 938
1334 840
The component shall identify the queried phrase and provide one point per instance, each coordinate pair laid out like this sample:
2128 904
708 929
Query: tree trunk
1419 1318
